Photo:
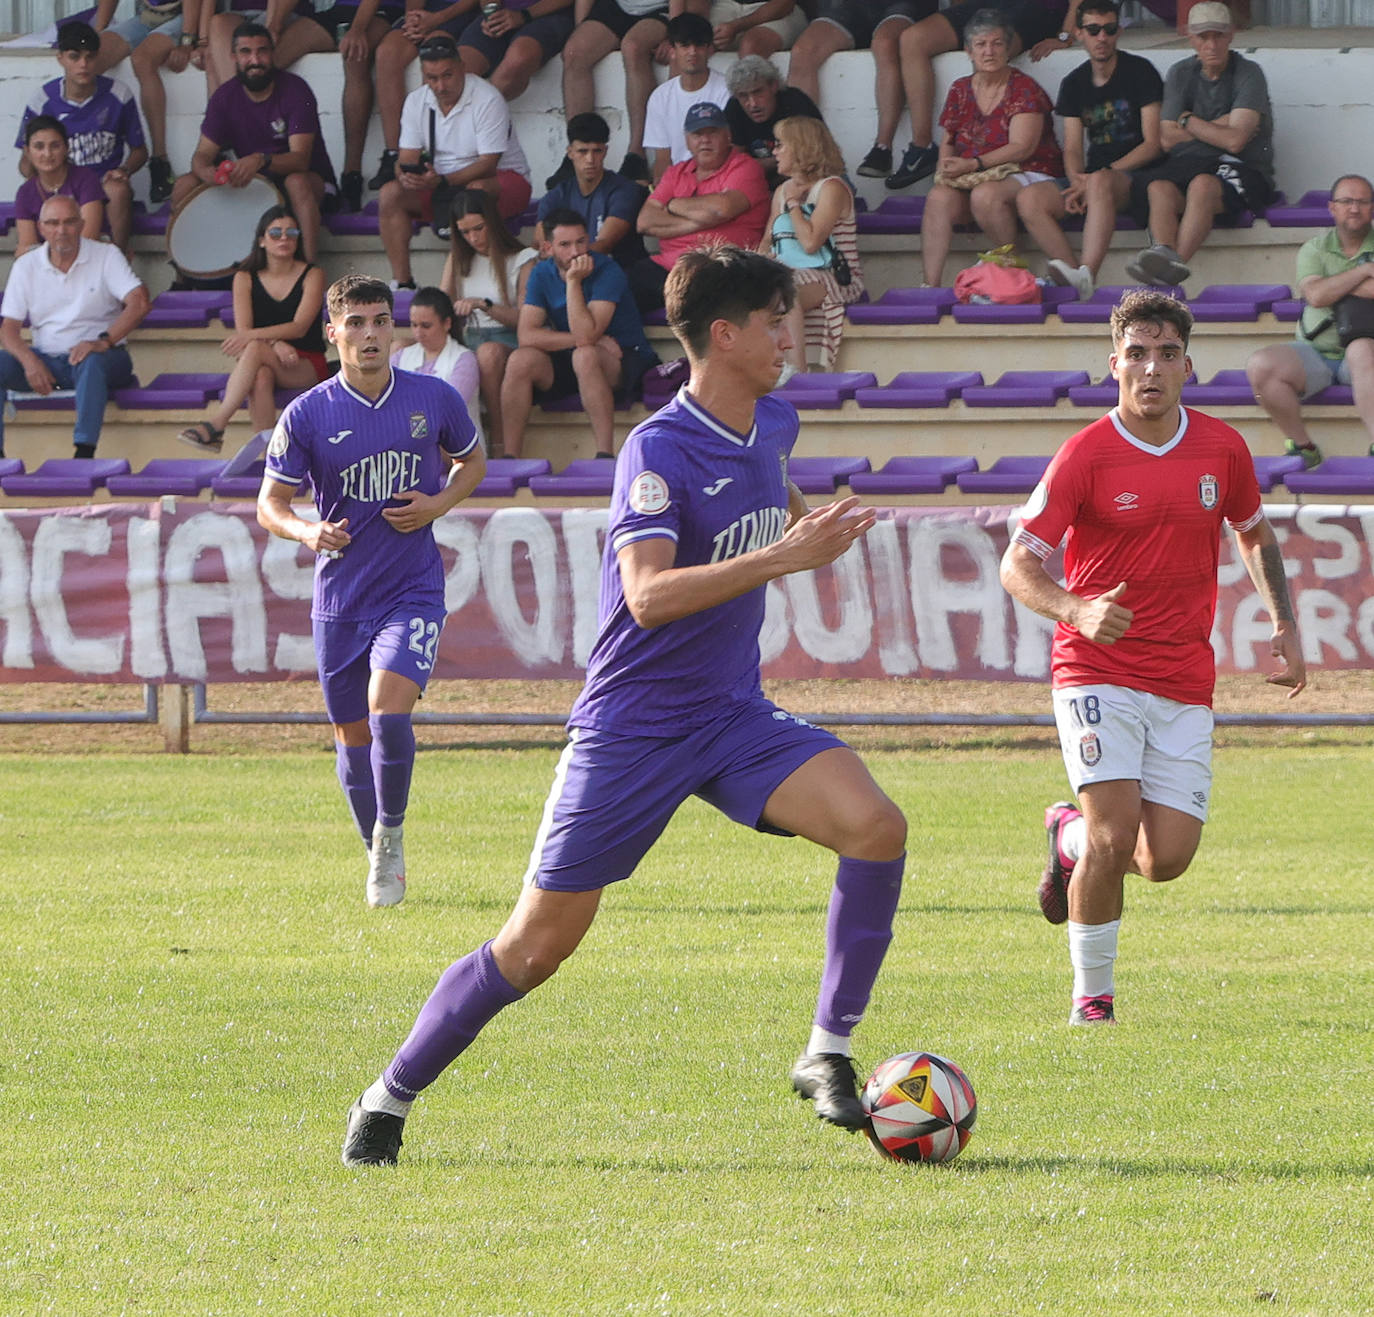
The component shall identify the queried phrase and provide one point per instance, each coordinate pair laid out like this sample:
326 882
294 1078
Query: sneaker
564 171
828 1079
1077 277
877 163
1092 1010
160 178
386 868
351 191
1311 455
1054 882
1160 266
918 162
636 168
386 171
373 1137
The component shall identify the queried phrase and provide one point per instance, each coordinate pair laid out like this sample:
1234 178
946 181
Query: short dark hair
1148 307
690 30
257 258
356 290
1097 7
41 121
564 217
250 29
721 283
588 127
438 46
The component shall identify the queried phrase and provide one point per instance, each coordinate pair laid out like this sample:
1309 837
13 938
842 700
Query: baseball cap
704 115
77 37
439 45
1210 16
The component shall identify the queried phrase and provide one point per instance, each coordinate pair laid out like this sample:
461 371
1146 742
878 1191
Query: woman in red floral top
996 116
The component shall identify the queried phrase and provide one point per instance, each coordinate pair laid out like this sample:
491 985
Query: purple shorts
347 654
613 795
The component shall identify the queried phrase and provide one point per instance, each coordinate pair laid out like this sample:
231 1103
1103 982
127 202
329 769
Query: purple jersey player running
702 518
387 453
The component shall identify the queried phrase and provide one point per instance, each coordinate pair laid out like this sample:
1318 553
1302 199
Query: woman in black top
278 339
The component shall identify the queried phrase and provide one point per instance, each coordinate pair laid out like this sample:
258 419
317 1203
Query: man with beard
268 123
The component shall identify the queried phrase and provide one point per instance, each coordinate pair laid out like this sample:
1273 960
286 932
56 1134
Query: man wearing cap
1217 131
717 196
456 133
101 119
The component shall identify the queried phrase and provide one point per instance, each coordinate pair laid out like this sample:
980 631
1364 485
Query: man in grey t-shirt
1218 134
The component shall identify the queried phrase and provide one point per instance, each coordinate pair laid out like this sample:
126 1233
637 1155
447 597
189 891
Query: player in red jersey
1141 495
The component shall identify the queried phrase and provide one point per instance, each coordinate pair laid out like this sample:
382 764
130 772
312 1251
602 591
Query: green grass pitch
194 992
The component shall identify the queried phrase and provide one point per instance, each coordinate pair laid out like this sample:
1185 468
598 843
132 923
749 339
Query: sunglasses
1097 29
283 233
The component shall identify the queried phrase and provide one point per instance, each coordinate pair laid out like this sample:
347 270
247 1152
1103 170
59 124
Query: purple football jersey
101 131
685 476
235 122
359 455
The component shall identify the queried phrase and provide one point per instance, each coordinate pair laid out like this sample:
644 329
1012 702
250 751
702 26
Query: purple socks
393 758
353 763
857 932
469 993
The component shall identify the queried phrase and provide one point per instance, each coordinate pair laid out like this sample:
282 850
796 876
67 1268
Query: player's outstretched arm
420 509
656 592
1100 618
275 515
1259 551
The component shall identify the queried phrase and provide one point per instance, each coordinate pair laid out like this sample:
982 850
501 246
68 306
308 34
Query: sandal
204 436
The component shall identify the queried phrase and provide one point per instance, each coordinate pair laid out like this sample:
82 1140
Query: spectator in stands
759 29
579 333
52 175
268 122
456 134
690 40
1218 136
437 349
638 29
158 36
757 101
876 25
81 300
719 195
811 230
278 339
101 122
485 275
610 204
512 43
355 28
1110 108
1036 27
1333 265
996 120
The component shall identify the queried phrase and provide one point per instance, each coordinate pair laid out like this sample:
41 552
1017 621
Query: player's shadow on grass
1145 1169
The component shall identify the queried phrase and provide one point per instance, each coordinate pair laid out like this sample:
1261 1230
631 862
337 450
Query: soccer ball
921 1108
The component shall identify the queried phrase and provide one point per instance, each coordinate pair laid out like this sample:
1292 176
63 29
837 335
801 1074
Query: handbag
999 276
827 256
992 174
1353 318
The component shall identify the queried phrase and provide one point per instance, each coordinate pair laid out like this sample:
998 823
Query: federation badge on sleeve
649 493
419 426
1090 750
277 445
1208 491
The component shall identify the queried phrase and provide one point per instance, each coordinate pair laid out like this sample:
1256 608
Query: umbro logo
711 490
340 437
1126 500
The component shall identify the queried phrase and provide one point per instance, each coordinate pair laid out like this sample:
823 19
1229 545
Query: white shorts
1113 734
788 28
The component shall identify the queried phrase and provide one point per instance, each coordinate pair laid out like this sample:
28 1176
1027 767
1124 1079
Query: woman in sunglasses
278 339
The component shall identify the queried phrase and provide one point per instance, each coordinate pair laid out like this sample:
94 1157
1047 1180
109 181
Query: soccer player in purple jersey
702 518
387 453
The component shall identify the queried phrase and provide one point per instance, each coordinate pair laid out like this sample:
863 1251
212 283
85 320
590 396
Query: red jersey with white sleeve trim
1150 516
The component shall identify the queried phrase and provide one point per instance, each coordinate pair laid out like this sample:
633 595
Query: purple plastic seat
504 475
1007 475
904 306
346 223
660 383
912 475
175 389
147 221
894 215
920 388
1308 212
1270 471
186 476
65 477
167 315
1227 388
826 391
1334 395
6 216
1026 388
823 475
589 477
1029 313
1097 310
10 466
1337 475
1287 309
1095 395
656 317
242 473
1219 302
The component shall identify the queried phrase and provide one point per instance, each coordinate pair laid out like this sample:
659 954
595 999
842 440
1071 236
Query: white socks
823 1042
1092 952
377 1098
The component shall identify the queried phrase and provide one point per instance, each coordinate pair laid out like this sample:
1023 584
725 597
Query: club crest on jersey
1208 491
419 426
1090 750
649 493
277 445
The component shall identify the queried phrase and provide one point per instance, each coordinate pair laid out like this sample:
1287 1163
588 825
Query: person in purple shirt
269 122
702 517
387 453
53 175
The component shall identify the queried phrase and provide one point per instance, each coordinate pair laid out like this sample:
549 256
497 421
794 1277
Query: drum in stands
213 231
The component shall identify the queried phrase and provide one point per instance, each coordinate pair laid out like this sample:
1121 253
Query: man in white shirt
81 300
456 133
692 39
